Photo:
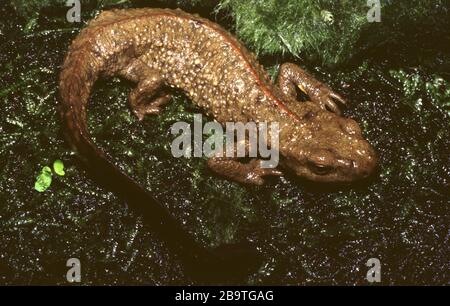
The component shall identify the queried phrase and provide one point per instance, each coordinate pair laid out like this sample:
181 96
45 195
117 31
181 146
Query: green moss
329 31
30 8
299 26
417 87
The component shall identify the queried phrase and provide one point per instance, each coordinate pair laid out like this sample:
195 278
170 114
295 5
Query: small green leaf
44 180
58 166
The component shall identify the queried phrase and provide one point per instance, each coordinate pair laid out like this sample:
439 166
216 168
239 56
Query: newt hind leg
148 97
291 75
234 169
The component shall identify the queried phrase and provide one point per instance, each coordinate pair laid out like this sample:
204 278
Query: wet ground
306 233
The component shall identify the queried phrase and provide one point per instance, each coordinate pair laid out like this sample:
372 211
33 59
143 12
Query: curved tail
77 78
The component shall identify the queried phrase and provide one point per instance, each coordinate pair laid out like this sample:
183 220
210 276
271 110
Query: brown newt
171 48
159 48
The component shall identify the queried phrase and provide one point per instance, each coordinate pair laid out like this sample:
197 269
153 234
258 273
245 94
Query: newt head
325 147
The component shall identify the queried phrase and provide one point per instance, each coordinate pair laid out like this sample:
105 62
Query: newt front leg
247 173
291 75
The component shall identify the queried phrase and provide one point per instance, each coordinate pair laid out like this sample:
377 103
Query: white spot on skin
361 152
240 85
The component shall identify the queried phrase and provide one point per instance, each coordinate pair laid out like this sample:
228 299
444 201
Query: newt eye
320 169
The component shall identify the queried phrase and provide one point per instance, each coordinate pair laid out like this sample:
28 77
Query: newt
162 48
158 48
